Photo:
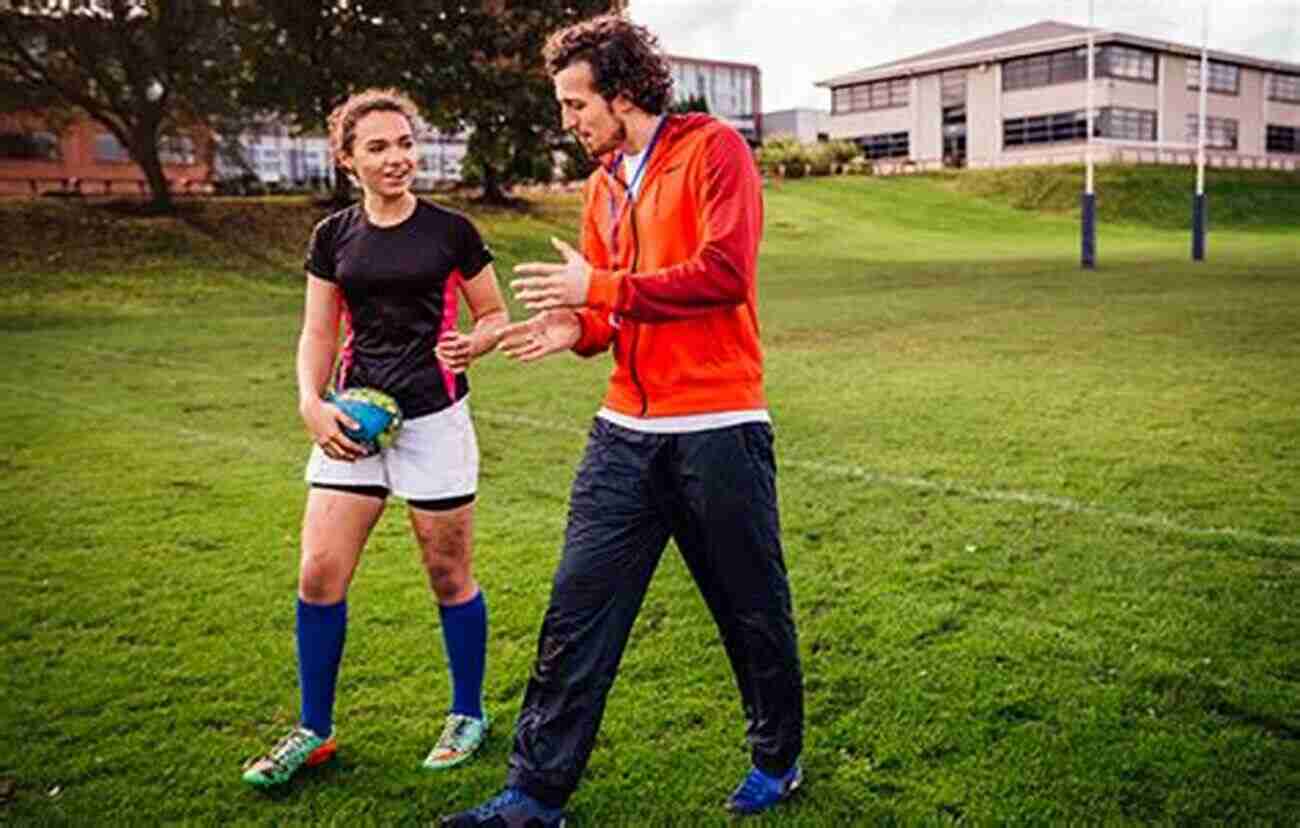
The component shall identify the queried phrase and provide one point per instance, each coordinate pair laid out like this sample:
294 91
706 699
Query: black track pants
714 492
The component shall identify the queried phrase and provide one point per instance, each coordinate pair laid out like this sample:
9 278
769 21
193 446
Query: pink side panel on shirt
450 313
345 353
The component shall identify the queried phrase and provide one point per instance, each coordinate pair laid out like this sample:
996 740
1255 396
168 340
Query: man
682 446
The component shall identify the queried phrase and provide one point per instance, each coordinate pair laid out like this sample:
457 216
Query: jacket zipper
636 331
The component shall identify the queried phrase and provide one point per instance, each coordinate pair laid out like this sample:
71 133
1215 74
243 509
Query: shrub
859 166
781 152
842 152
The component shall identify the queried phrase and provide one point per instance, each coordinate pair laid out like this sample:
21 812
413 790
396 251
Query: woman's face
383 154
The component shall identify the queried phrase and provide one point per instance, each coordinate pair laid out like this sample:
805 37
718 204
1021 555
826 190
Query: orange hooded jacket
673 274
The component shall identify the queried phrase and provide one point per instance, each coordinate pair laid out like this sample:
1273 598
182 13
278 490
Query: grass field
1043 525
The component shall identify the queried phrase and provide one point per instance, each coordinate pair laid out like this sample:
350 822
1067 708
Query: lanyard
616 211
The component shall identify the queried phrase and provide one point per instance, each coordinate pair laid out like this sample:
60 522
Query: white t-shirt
631 163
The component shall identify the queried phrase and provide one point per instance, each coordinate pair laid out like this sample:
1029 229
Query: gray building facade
1020 97
804 125
733 92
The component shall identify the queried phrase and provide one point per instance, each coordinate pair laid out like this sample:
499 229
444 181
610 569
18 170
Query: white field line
785 461
109 413
1063 504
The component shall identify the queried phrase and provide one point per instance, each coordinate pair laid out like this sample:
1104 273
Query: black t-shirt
400 291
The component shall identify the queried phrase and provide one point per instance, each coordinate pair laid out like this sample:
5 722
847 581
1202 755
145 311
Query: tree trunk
146 155
492 191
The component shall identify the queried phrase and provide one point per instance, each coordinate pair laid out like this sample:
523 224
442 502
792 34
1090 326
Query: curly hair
624 58
343 120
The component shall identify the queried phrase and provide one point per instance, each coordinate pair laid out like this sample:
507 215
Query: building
278 159
84 157
1020 97
804 125
733 92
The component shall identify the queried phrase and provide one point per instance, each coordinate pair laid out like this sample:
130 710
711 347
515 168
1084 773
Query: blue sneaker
760 792
512 808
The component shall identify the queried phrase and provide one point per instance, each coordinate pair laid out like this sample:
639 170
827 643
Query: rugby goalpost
1088 201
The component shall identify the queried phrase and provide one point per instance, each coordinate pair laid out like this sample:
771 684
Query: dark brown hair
624 58
343 120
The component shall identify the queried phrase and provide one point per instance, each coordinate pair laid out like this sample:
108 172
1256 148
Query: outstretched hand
546 333
549 286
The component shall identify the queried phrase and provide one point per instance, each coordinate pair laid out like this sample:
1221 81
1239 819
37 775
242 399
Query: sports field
1043 525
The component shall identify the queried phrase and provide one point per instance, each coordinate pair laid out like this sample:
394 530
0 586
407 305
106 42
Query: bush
842 152
244 185
858 165
821 159
779 152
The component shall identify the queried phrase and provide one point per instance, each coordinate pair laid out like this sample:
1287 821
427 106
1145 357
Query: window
1220 133
313 163
1284 88
1125 62
175 150
109 150
1282 139
885 145
1224 77
877 95
266 160
1121 122
952 86
30 146
1045 129
1044 70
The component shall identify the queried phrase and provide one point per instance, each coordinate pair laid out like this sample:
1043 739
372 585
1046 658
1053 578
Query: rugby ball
376 414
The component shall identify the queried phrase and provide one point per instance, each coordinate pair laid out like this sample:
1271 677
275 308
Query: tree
695 103
302 58
142 69
482 70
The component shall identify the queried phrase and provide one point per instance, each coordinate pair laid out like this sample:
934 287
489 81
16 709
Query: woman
390 269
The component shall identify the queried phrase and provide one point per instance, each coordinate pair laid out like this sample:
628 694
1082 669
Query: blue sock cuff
455 611
321 612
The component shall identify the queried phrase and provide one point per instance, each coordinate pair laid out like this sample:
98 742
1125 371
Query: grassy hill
253 234
1151 196
1040 524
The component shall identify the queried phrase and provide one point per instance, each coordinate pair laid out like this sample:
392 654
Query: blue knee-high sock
321 630
464 633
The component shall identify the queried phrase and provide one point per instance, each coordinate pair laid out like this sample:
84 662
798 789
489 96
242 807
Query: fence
37 186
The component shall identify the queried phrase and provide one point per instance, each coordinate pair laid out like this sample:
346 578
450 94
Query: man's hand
551 286
546 333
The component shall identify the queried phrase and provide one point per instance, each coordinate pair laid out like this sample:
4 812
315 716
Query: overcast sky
798 43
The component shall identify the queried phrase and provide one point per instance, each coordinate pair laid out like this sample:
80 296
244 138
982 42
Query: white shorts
434 457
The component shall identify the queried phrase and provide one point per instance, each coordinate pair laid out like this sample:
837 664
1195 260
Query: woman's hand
325 423
455 350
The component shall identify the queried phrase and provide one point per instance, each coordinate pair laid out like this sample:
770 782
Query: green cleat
461 736
300 749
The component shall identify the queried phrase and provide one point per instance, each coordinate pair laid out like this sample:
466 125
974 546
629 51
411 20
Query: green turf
1043 527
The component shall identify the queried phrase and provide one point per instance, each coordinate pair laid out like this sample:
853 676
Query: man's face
585 113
